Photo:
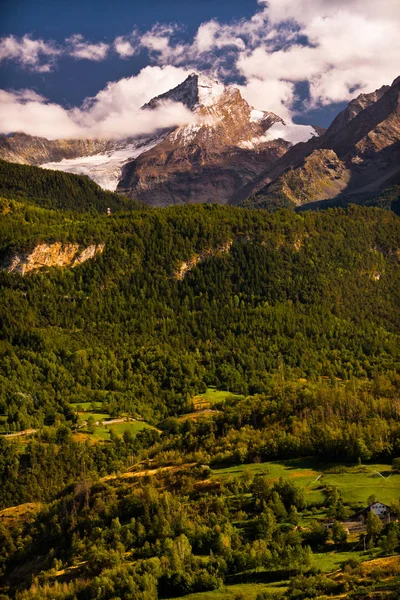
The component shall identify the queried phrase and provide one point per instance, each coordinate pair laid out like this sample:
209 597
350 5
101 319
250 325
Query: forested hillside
55 189
294 316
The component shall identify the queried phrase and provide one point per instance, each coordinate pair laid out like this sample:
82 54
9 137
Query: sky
84 68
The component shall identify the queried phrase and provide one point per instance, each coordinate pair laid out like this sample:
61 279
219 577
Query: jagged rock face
30 150
51 255
194 91
208 161
354 107
359 154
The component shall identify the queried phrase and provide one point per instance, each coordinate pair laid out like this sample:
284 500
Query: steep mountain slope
228 146
126 319
31 150
232 152
358 155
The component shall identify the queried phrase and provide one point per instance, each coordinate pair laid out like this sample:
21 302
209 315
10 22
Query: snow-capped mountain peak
209 90
197 90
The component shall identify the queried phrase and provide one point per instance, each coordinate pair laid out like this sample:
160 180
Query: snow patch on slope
280 131
186 133
256 115
105 169
209 90
291 133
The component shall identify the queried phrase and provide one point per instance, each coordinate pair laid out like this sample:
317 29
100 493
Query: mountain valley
200 373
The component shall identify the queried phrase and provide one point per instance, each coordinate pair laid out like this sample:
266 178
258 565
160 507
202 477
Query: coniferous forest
291 320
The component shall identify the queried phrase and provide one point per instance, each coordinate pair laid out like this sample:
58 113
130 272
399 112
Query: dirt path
19 433
147 472
21 510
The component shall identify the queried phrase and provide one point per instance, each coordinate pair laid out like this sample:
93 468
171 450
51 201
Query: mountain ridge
232 152
359 153
247 130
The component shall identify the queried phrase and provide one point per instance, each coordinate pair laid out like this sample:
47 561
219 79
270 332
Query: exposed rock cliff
51 255
189 264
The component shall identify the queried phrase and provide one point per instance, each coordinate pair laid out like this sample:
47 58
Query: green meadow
357 483
242 591
214 396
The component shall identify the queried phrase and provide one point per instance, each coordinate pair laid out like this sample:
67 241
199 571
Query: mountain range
233 152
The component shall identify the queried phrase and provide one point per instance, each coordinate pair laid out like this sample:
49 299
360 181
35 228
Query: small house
379 508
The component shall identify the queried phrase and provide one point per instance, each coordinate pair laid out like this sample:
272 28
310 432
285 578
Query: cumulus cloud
115 112
30 113
351 46
78 47
338 47
127 45
36 55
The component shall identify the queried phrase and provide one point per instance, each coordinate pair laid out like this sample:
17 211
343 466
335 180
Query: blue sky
99 20
303 59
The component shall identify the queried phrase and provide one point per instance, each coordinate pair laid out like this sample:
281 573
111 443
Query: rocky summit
209 160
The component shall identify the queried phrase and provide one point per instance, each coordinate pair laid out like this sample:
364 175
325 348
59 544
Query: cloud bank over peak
114 113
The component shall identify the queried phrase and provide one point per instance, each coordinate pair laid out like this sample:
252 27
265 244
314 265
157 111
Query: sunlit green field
214 396
356 483
101 433
132 426
97 416
245 591
330 561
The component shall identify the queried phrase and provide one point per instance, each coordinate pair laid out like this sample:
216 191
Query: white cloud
273 95
36 55
304 11
352 46
115 112
339 47
78 47
24 111
158 42
127 45
40 56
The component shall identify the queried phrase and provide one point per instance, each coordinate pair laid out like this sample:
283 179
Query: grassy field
330 561
356 483
213 396
247 591
326 561
132 426
304 472
102 433
97 416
